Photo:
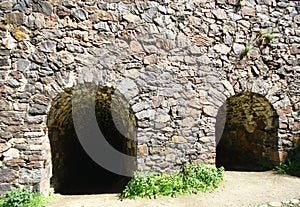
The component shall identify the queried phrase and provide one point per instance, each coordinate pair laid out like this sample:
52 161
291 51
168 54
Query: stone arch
249 139
72 166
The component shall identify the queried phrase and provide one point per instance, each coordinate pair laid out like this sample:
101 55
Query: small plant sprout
242 3
248 47
267 37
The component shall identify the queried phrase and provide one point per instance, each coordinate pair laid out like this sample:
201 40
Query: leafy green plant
38 201
192 179
18 197
202 177
291 165
23 197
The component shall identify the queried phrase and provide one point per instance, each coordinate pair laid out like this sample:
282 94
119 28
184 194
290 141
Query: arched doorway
249 140
74 172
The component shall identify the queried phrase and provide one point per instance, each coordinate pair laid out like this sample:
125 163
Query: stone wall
176 62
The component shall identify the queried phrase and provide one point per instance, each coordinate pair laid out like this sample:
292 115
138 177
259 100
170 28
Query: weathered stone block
20 33
22 64
238 49
128 87
170 158
37 119
5 187
188 122
102 26
4 146
66 57
248 11
11 153
164 165
7 176
210 110
37 109
30 176
4 62
6 5
5 135
162 118
42 7
284 111
201 40
33 134
86 59
179 139
16 18
220 14
150 59
143 150
5 105
48 46
80 14
132 18
222 48
13 83
233 2
11 117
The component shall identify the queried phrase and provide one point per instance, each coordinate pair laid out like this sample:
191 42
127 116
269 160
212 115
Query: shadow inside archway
74 172
249 140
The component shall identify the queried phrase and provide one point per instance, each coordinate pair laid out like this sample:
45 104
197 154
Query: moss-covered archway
74 172
249 140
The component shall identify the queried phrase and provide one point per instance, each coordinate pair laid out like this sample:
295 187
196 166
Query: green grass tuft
248 48
267 37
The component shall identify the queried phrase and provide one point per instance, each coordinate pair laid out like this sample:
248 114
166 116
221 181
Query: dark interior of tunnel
74 172
80 174
248 140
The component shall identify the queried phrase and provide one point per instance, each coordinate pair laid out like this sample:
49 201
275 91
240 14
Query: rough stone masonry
176 62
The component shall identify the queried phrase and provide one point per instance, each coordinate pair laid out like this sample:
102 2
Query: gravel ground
238 189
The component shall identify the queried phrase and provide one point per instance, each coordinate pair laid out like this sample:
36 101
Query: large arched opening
74 172
249 139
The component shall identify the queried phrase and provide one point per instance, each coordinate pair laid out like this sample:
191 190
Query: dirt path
239 189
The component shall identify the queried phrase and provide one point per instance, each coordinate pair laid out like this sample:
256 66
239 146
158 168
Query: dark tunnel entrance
74 172
249 141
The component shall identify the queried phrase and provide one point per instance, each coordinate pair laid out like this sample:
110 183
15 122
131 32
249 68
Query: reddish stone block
248 11
282 155
143 150
179 139
284 111
157 149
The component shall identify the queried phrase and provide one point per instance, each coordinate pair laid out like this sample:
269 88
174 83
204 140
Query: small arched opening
74 172
249 139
